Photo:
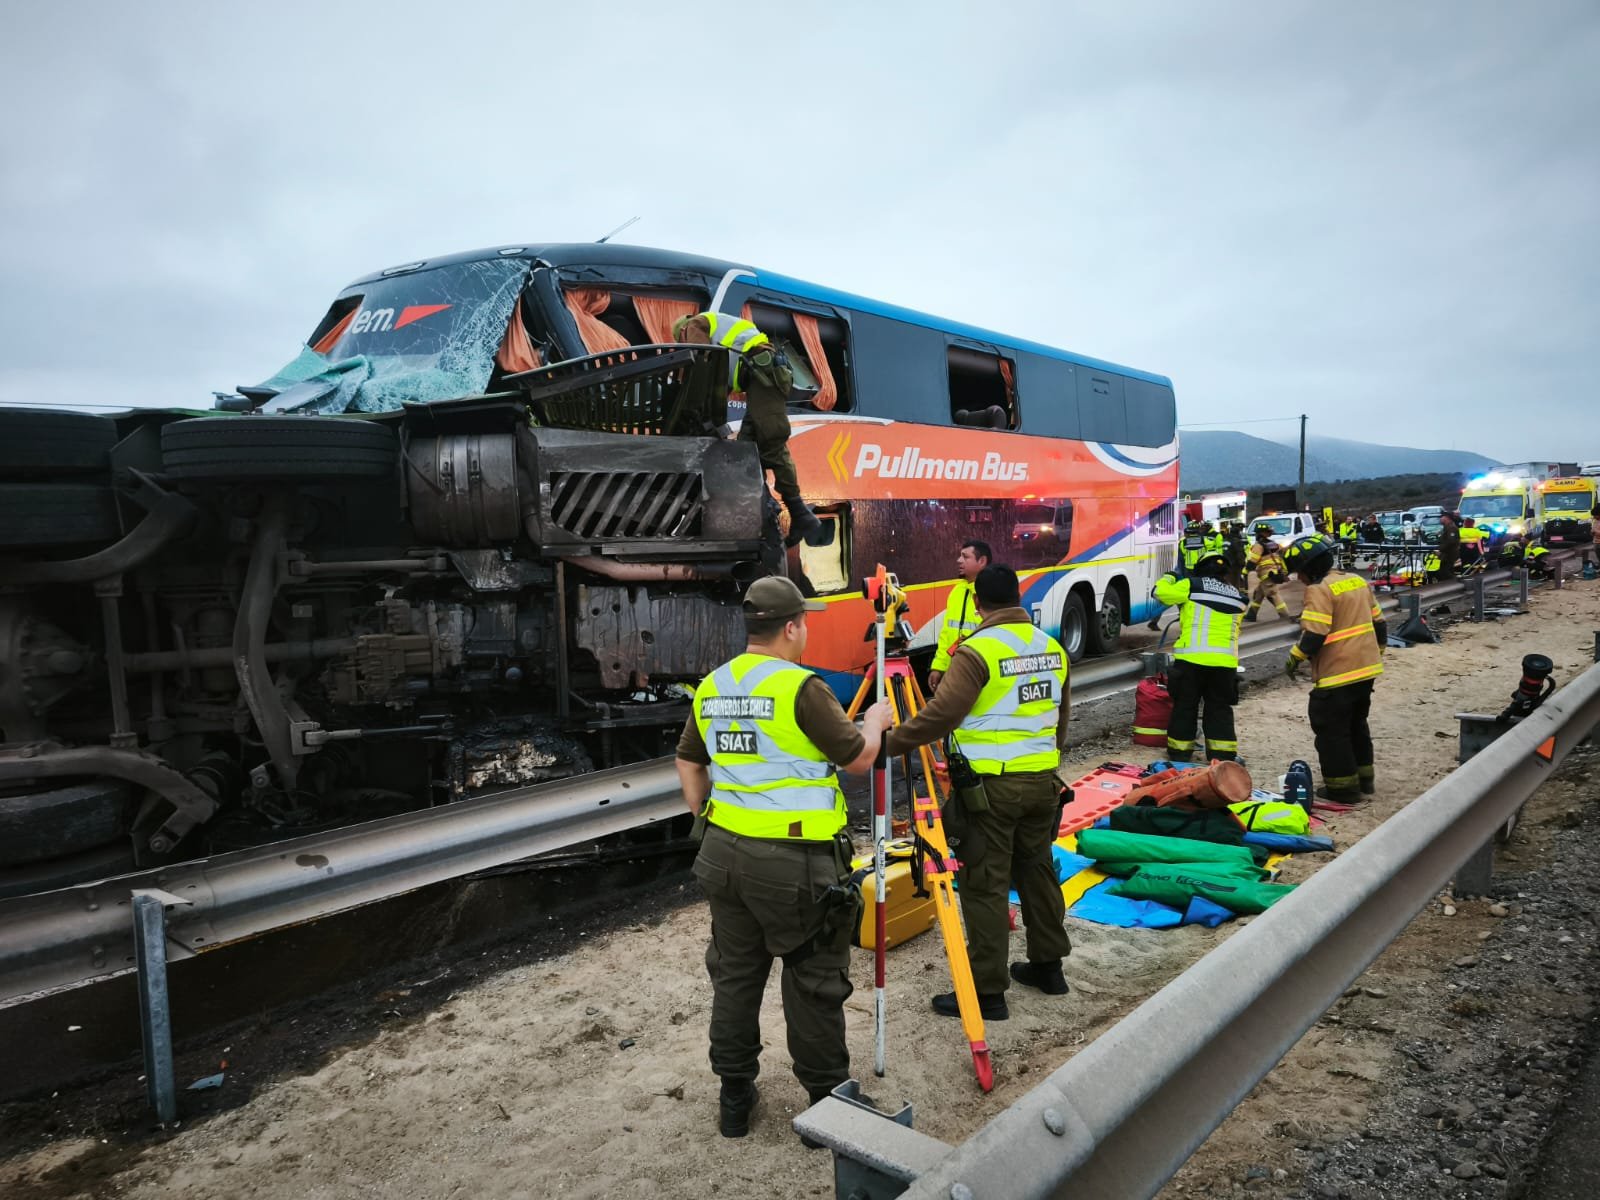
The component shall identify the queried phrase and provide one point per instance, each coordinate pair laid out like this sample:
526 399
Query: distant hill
1220 458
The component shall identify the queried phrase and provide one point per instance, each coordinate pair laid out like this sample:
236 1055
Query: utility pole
1300 493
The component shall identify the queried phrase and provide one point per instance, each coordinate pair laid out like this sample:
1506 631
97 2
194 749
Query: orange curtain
657 316
517 351
329 340
827 392
586 305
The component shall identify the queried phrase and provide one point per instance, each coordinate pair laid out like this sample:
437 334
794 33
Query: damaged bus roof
613 262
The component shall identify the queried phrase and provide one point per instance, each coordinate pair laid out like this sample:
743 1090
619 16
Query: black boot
738 1098
1251 613
991 1008
803 523
1046 976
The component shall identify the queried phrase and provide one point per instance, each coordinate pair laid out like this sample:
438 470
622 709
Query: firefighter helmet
1311 556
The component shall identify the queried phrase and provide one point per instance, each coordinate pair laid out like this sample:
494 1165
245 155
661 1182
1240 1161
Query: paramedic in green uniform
758 755
762 372
1005 702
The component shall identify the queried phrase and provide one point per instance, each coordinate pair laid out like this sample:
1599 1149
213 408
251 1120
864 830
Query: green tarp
1121 853
1235 888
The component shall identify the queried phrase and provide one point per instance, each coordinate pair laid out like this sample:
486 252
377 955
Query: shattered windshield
1479 507
416 336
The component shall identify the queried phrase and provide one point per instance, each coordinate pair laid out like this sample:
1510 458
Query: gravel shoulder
576 1065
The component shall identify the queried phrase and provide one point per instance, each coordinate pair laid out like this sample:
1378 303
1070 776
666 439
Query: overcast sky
1384 215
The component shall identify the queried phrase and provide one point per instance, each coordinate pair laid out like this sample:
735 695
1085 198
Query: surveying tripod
894 679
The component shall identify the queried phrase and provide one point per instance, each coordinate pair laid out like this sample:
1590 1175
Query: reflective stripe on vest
767 779
1206 637
1012 726
737 335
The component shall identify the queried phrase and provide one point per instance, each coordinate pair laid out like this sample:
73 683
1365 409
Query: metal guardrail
1121 1117
60 939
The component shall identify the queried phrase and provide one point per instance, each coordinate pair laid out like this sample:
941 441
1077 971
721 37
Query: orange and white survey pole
878 592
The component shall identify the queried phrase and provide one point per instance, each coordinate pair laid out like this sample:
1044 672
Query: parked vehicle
1566 508
1501 504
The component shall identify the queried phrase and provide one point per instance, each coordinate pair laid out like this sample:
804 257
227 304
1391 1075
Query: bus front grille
648 505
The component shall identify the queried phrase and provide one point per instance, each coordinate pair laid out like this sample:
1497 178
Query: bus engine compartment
218 630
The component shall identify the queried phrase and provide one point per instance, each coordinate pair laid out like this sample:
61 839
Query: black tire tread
278 447
44 442
66 819
58 513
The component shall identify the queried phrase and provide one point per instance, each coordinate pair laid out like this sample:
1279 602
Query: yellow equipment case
908 915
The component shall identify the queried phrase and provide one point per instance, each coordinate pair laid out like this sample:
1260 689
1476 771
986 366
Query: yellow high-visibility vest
1207 636
1012 725
960 619
737 335
767 778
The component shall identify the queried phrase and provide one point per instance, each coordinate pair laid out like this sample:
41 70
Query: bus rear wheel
1106 628
1074 627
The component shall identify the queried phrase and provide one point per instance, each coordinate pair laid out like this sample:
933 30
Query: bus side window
826 565
900 369
1052 391
983 388
1102 409
821 381
1152 415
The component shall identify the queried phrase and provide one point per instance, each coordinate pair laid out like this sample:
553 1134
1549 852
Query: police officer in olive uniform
762 372
757 759
1004 701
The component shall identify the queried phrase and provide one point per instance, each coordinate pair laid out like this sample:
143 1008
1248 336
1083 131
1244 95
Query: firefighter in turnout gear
1216 541
1342 635
756 759
960 611
1266 560
1194 542
762 372
1004 702
1237 554
1205 670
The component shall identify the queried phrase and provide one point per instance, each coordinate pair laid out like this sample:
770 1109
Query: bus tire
44 442
276 447
50 514
1074 627
1105 630
62 819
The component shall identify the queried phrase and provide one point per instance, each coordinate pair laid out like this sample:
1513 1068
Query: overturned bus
416 565
487 529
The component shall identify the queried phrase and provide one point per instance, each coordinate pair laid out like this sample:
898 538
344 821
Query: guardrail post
155 1007
1477 597
1478 731
876 1154
1522 585
1597 645
1560 573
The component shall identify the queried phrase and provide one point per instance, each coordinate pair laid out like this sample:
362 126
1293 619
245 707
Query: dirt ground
584 1074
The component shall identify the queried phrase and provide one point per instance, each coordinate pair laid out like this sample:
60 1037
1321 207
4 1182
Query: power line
1249 421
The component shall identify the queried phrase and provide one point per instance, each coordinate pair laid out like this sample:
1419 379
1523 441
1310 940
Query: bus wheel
1074 627
1106 628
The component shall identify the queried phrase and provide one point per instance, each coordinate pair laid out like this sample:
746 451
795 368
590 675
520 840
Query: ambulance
1502 504
1566 510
